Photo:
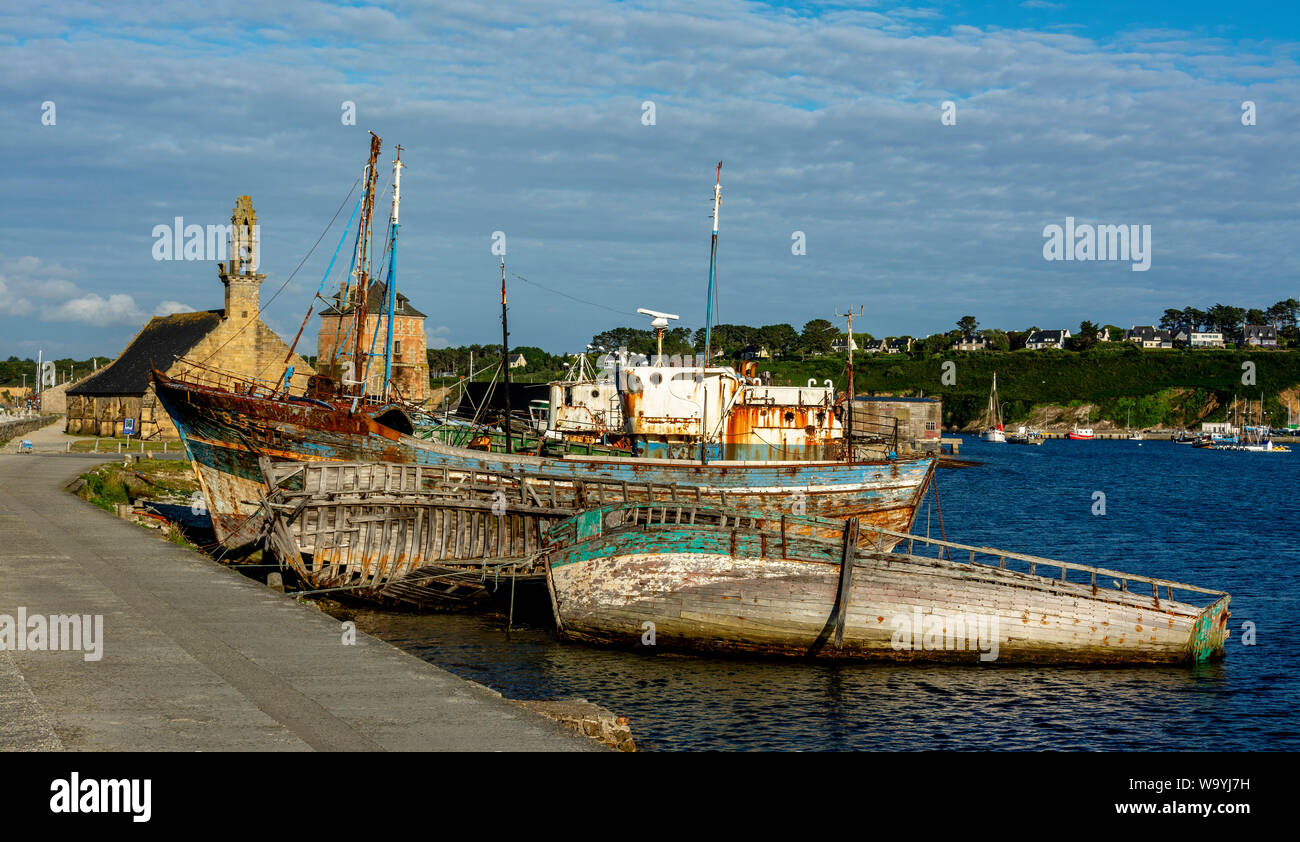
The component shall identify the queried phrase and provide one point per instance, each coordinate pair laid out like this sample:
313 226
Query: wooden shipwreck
430 535
228 429
707 580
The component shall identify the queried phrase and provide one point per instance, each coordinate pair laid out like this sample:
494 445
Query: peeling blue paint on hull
225 433
734 591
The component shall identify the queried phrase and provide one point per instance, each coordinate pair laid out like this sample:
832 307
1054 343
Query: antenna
659 322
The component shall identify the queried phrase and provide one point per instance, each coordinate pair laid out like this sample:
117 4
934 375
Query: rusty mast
362 289
848 395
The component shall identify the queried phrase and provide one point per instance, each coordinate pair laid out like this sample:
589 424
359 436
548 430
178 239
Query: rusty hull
226 433
376 528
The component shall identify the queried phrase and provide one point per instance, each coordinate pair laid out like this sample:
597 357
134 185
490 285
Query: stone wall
12 428
256 352
410 366
54 400
920 422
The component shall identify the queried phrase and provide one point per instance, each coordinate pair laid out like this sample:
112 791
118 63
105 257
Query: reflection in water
1159 521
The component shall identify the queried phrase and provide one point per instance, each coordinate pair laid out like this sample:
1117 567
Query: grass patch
108 485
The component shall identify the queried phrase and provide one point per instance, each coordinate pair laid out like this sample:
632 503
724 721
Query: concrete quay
196 657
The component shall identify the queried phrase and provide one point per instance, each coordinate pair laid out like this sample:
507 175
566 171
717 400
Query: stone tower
240 276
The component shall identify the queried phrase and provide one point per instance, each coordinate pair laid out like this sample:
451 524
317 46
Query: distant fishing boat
712 581
1025 435
995 432
1080 433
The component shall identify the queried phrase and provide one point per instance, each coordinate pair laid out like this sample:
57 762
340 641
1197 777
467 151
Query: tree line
1230 321
457 360
781 340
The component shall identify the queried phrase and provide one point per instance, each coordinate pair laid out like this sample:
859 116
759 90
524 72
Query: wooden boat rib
708 581
400 532
226 432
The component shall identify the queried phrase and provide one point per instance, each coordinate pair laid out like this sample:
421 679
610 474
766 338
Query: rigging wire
261 308
576 298
312 306
365 294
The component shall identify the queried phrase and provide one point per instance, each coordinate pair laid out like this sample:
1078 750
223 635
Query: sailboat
1256 437
232 426
994 433
1133 435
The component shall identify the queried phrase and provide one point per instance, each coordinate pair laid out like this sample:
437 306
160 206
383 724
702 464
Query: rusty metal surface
226 433
379 529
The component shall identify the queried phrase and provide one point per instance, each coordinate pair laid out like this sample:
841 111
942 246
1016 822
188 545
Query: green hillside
1160 387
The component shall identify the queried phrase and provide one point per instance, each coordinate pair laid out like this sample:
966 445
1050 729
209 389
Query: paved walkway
50 437
198 657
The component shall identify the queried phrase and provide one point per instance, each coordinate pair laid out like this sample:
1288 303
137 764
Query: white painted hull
726 589
718 603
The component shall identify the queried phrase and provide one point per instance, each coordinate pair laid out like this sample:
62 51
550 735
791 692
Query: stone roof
376 302
156 345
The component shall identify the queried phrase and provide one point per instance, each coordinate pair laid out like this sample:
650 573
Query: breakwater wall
14 427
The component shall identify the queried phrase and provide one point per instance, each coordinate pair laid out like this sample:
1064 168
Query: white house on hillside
1040 339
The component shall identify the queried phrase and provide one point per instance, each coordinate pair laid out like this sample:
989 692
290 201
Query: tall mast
708 318
392 272
505 354
848 398
995 405
362 289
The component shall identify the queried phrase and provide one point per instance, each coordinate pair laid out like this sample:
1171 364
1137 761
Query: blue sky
527 118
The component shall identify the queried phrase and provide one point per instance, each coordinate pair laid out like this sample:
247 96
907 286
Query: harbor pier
194 656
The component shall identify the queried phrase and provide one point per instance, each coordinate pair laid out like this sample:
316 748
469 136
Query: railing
826 529
866 431
200 374
340 481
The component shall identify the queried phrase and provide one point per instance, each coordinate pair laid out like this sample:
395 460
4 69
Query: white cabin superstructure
666 410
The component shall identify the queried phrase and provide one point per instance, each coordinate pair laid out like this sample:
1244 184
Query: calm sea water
1220 520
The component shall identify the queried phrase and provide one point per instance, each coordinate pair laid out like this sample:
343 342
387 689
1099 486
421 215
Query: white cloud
11 304
829 124
92 309
26 278
168 308
439 337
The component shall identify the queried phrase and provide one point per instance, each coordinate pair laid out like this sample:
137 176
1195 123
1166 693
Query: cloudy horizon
532 120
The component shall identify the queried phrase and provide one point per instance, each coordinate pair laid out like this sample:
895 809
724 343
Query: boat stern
1210 632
